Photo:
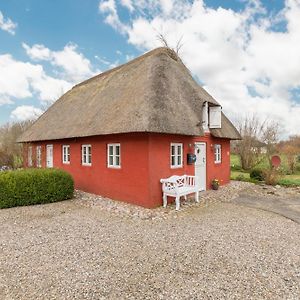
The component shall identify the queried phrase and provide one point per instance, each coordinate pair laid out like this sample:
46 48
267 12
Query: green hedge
34 186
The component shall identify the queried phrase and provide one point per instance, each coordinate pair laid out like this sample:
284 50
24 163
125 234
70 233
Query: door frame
49 146
205 168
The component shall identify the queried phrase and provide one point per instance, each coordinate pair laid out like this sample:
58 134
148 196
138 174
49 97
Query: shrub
271 176
236 168
257 174
34 186
241 177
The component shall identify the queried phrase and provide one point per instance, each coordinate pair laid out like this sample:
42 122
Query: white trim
29 157
39 156
66 156
49 158
201 165
114 156
176 155
87 155
218 153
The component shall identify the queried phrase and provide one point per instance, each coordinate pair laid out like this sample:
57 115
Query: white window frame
29 157
66 154
86 158
114 156
39 156
218 153
176 155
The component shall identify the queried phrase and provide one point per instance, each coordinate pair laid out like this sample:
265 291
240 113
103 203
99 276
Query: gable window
29 159
176 155
218 154
114 156
86 155
66 154
39 156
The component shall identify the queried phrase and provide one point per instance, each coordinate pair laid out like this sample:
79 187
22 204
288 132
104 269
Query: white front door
200 165
49 156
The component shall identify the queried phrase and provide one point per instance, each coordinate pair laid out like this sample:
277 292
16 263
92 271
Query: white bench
178 186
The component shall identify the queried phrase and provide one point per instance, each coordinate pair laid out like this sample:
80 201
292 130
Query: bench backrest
174 182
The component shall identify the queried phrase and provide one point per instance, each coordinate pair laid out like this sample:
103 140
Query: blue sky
244 52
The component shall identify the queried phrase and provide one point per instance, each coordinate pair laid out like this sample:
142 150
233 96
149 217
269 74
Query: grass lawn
237 172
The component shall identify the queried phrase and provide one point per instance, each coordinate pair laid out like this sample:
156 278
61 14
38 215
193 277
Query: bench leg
177 202
165 200
197 197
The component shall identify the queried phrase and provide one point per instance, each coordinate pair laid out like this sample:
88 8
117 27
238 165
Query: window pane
111 160
117 150
179 160
111 150
179 150
117 160
172 150
173 160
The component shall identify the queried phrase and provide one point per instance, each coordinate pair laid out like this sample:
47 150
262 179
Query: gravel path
81 250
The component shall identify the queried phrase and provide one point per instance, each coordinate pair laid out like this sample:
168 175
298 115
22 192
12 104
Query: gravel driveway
80 250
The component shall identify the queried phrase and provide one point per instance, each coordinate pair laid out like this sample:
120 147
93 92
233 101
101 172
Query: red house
120 132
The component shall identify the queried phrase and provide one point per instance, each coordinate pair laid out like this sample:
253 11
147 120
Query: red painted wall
159 158
145 159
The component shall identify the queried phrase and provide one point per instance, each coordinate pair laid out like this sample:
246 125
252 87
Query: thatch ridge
152 93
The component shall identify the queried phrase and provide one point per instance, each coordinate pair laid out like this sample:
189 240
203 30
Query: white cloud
74 65
37 52
4 99
243 62
112 18
23 80
166 6
127 4
26 112
7 24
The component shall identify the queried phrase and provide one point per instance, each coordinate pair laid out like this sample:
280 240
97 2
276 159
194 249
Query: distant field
236 170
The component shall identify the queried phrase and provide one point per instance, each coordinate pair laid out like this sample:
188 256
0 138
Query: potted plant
215 184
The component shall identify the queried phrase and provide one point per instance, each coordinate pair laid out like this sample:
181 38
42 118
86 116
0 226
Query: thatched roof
152 93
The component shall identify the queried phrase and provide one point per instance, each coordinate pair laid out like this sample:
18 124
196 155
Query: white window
29 156
218 154
215 117
86 155
114 156
39 156
66 154
176 155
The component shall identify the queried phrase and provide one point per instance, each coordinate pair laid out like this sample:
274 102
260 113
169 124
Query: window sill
114 167
86 165
66 163
176 167
218 162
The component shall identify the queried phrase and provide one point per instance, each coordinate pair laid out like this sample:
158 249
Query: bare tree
254 131
291 149
162 38
10 151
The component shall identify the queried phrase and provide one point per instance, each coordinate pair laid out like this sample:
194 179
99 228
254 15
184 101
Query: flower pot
215 186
